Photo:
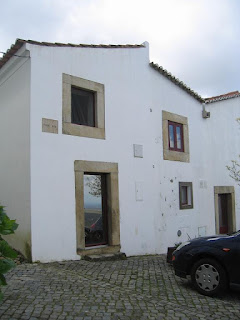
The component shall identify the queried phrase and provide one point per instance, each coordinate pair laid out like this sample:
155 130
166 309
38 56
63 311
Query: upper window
83 107
175 133
175 137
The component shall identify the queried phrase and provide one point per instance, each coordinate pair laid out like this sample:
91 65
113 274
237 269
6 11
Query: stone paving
137 288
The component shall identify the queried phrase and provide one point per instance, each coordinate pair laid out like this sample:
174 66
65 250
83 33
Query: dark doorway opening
224 211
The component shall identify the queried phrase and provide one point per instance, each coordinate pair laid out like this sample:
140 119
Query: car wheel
208 277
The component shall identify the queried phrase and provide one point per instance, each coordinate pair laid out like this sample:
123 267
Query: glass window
179 137
185 195
175 133
95 209
82 103
171 136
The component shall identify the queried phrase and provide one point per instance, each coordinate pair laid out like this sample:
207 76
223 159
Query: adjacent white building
102 151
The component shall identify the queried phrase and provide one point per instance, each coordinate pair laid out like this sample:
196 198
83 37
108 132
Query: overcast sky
196 40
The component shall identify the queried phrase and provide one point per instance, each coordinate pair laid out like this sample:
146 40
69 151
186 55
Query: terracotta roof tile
175 80
221 97
19 42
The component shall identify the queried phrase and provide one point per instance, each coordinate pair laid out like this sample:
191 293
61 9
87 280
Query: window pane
184 194
189 196
93 210
179 137
171 136
82 107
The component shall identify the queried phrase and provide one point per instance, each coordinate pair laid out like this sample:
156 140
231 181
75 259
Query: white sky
195 40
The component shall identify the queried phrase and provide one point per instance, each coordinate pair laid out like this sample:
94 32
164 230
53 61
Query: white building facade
75 118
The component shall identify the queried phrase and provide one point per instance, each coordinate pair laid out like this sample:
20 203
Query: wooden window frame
189 204
170 154
175 126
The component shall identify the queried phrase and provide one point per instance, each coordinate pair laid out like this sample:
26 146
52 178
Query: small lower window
185 195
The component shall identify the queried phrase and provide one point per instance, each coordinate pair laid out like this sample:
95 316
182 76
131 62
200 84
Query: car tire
209 277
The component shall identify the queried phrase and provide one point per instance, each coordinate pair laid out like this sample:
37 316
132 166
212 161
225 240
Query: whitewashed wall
223 144
52 156
15 148
132 88
208 140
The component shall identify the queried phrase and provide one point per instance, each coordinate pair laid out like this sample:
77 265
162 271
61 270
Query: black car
212 262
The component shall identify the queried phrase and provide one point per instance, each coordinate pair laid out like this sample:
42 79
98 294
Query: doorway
95 209
225 210
96 192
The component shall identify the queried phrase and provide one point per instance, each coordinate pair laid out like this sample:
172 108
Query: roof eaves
11 52
19 42
175 80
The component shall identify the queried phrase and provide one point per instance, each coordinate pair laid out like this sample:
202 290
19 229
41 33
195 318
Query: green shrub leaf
7 226
6 265
6 251
2 280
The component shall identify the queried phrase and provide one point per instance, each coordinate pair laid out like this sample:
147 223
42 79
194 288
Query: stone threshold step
105 257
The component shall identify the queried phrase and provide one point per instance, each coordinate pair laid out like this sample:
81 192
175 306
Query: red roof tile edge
226 96
19 42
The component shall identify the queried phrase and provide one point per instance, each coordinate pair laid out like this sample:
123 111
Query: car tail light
226 249
173 258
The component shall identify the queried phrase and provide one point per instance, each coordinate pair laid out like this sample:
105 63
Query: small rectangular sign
49 125
138 150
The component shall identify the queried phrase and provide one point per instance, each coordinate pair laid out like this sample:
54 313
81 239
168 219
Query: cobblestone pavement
136 288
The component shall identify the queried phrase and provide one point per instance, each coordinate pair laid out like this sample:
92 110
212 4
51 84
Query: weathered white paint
135 96
15 147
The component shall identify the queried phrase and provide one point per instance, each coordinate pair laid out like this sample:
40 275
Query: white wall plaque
138 150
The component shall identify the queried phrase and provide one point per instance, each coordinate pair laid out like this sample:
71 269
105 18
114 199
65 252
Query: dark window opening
175 134
184 195
95 209
83 107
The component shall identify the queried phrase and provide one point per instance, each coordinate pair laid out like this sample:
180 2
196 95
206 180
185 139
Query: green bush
7 254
